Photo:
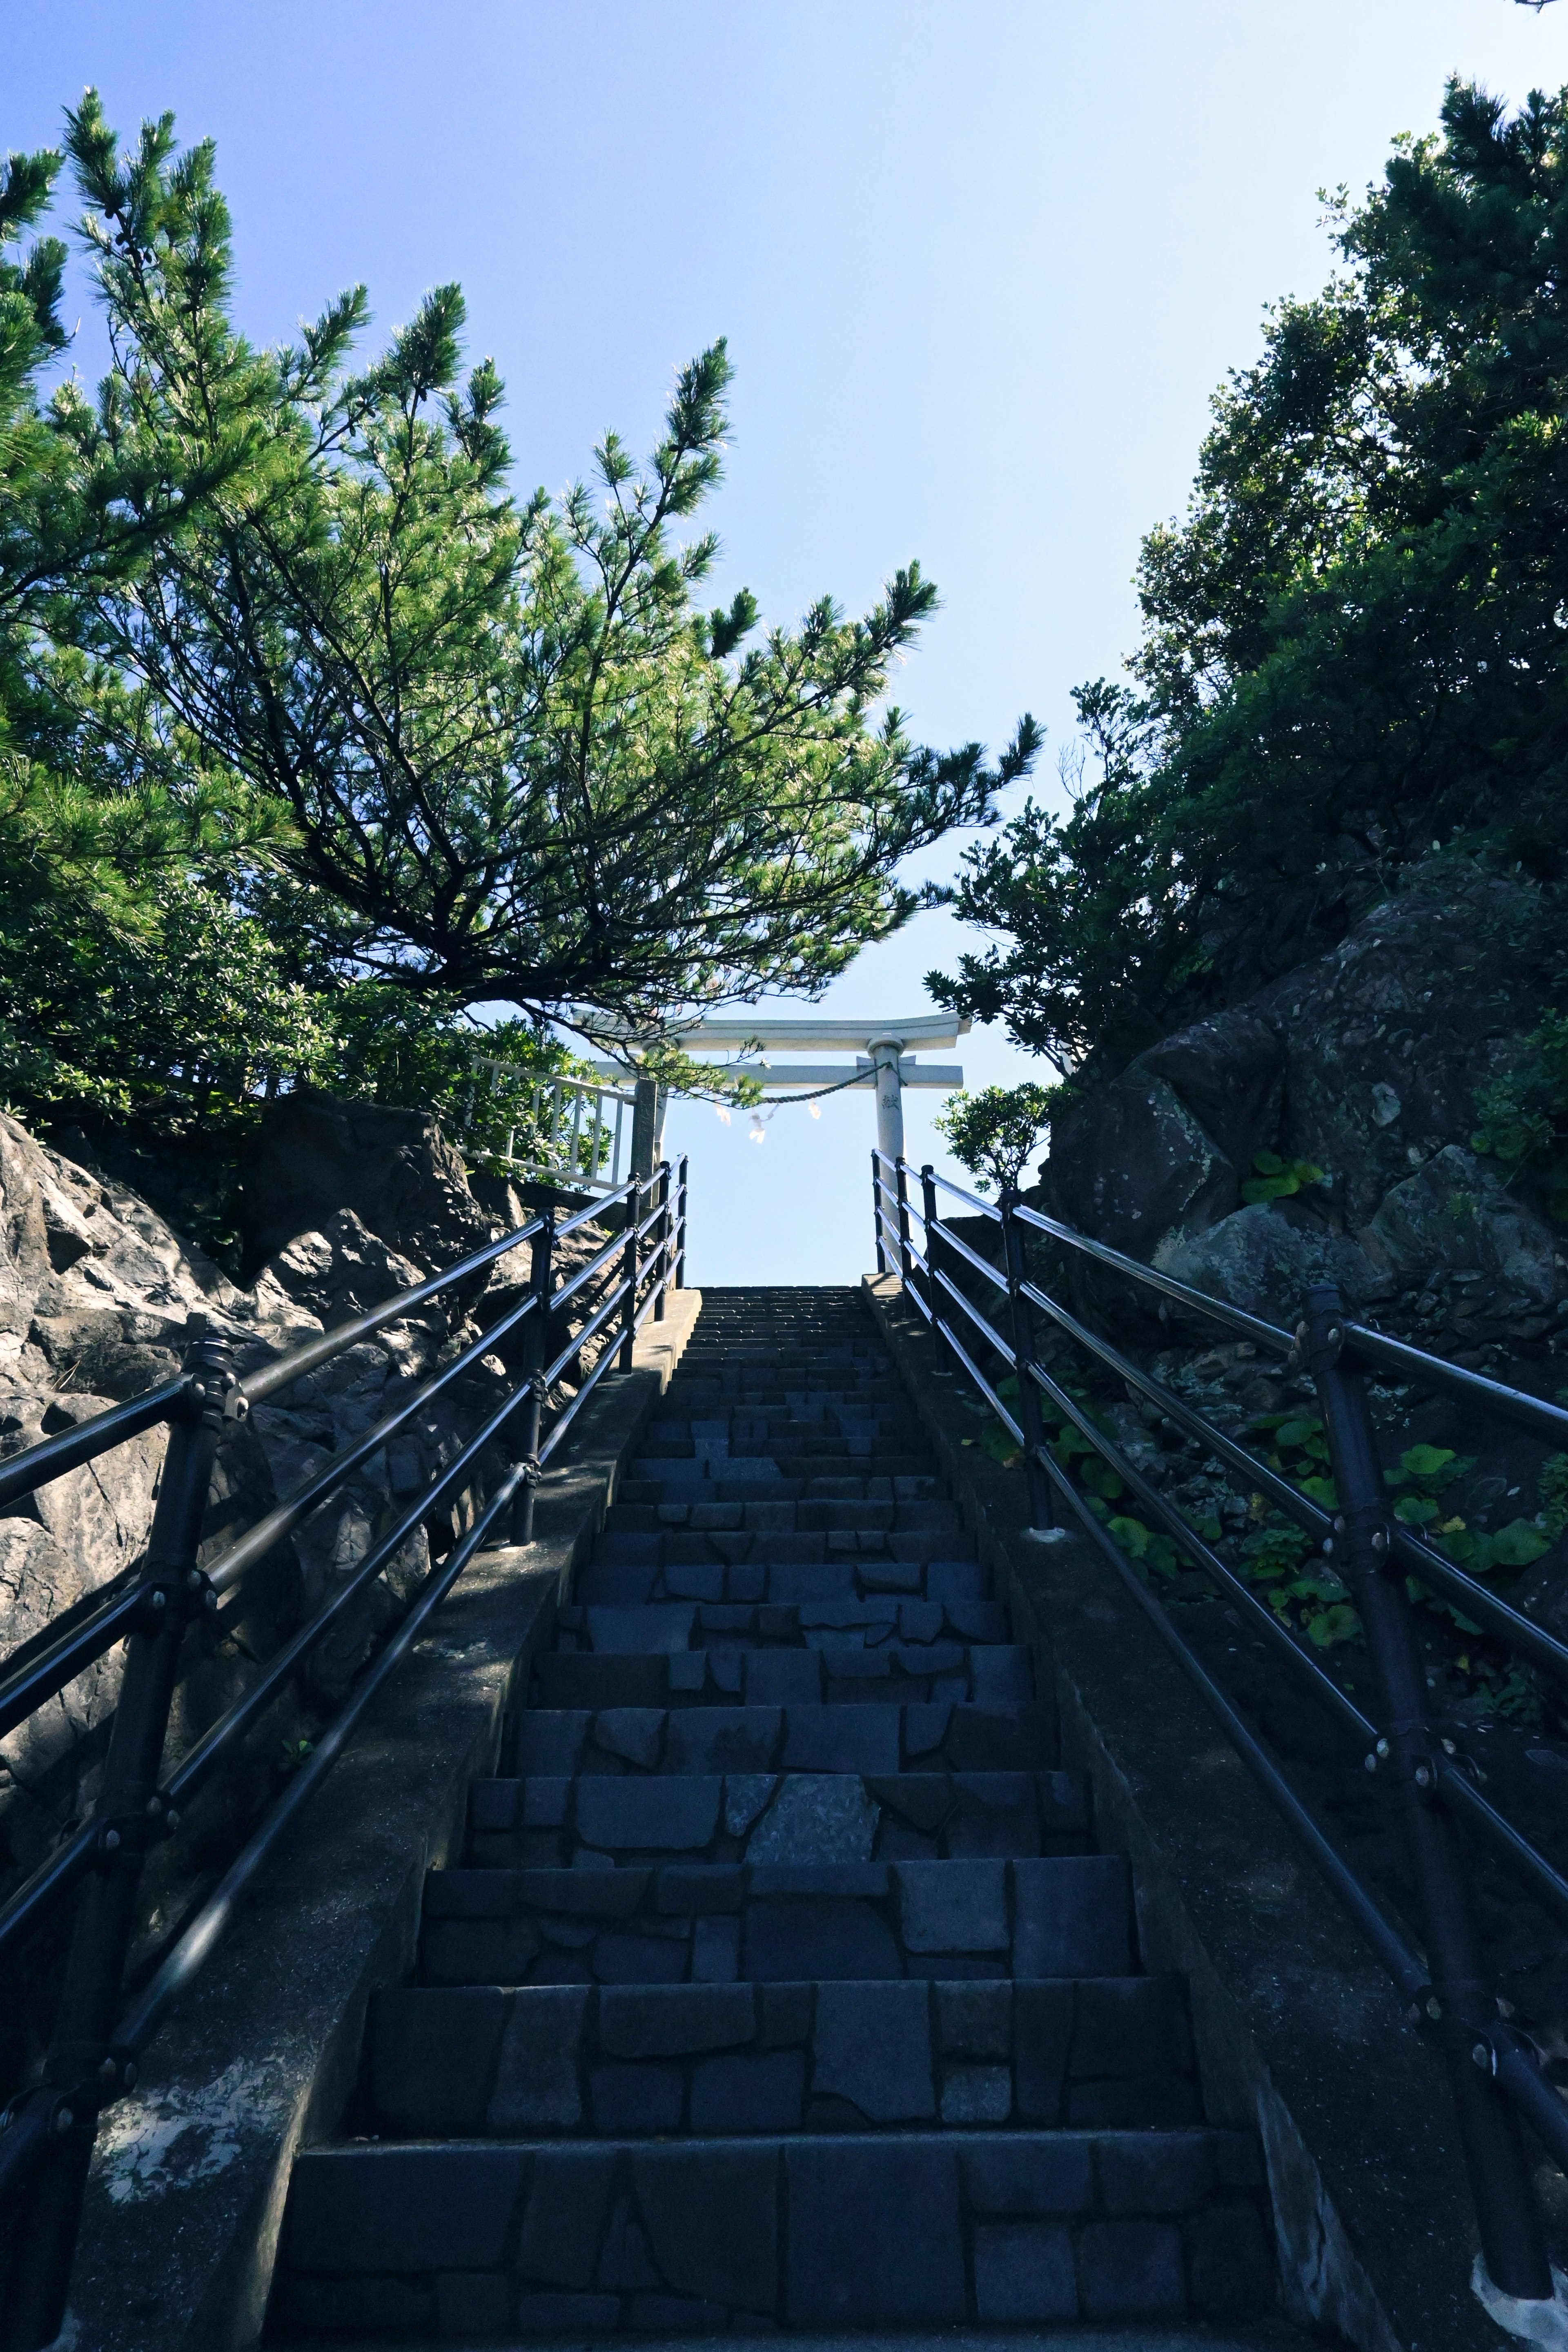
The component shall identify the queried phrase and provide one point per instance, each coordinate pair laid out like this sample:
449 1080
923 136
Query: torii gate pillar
884 1052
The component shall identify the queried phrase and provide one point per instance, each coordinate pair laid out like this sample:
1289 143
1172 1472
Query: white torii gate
879 1057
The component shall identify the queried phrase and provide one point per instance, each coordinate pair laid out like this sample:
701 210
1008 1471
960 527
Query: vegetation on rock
1353 642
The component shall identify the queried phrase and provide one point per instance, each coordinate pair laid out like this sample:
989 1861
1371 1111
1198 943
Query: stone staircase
782 1984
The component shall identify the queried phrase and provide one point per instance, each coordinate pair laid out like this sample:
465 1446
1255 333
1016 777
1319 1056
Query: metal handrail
57 2118
1365 1532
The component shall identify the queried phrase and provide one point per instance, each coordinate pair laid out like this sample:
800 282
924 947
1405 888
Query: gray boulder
1266 1261
1387 1039
1135 1167
1230 1074
394 1168
1454 1222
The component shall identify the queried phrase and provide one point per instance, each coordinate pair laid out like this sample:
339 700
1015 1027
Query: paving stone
1131 2270
536 2080
1072 1916
582 1680
1000 1738
616 1586
922 1799
393 2209
627 1550
492 1804
762 2094
874 2237
711 2215
819 1580
816 1817
841 1739
950 1580
635 2098
544 1801
1230 2264
715 1952
1043 2012
953 1906
701 1888
564 2221
746 1794
639 1960
1156 2172
1023 2270
783 1678
1131 2025
926 1726
472 2303
566 2315
694 1579
722 1738
636 1732
1004 1672
871 2045
889 1575
977 2094
975 2021
785 2015
675 2021
977 1621
795 1942
551 1742
1152 2102
320 2305
431 2055
1032 2172
664 1814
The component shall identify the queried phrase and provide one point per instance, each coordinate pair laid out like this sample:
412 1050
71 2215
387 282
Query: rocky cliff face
1364 1064
98 1294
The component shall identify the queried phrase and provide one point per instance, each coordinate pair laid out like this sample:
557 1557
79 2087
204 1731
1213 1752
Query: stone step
628 2059
629 1813
924 1531
733 1624
761 1478
849 1738
767 1923
470 2237
612 1580
900 1673
856 1510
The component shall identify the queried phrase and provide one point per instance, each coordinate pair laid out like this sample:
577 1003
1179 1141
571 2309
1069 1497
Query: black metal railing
1493 2069
47 2132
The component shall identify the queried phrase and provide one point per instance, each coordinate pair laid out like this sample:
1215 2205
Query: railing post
1041 1508
942 1366
1461 2008
540 1253
629 1276
663 1240
82 2068
877 1209
680 1275
906 1262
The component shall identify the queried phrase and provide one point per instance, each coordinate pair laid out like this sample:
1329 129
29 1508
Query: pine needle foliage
512 755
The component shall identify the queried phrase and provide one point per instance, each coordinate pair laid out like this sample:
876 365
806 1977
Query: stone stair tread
871 2229
701 1807
844 1577
676 1921
847 1735
614 2060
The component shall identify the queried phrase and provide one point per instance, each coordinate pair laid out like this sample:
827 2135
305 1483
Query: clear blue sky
980 266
